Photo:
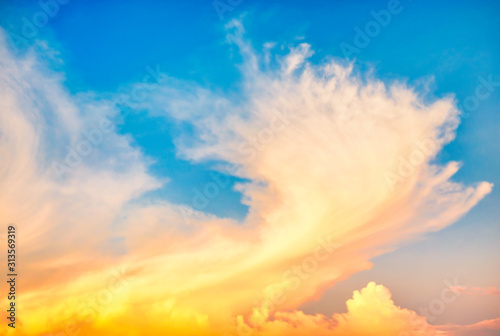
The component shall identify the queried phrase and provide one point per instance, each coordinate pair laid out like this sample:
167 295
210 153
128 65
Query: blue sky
453 45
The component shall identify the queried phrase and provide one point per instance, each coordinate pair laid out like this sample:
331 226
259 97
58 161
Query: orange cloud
339 168
371 311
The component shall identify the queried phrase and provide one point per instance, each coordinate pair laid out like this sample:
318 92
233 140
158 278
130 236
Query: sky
237 167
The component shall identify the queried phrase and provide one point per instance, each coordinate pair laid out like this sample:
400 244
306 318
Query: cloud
340 169
476 291
483 328
371 311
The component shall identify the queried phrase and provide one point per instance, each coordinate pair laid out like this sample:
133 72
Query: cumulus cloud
371 311
340 169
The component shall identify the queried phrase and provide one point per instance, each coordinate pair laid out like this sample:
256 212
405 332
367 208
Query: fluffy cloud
340 169
371 311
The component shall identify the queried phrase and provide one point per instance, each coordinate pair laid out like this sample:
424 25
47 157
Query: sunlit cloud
340 169
371 311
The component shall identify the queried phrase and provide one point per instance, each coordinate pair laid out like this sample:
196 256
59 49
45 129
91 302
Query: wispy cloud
483 328
476 291
315 142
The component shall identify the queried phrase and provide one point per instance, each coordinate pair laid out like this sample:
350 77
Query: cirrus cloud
316 144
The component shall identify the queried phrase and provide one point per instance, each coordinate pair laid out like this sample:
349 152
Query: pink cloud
483 328
476 291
